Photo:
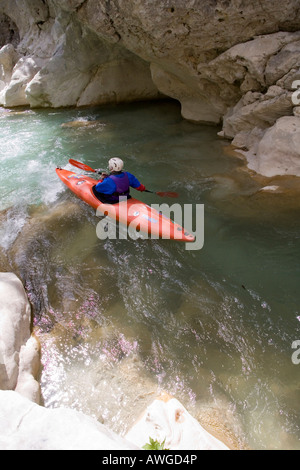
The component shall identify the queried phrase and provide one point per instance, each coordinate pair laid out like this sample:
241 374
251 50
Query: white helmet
115 164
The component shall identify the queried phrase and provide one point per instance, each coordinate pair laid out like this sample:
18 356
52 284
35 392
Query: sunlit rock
14 93
166 420
27 426
19 351
82 123
8 59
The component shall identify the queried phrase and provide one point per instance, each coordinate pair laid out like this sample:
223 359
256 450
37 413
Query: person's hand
141 188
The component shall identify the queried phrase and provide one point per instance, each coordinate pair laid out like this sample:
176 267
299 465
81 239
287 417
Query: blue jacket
108 186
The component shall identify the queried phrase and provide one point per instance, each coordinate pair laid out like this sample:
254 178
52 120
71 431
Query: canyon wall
232 63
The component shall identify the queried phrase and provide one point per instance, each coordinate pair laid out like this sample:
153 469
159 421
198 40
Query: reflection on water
119 320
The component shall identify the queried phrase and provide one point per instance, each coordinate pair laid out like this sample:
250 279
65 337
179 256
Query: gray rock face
225 61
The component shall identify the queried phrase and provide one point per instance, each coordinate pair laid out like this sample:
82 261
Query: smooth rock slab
25 425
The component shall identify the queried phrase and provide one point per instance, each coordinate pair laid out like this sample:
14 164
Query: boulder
8 59
166 420
257 110
27 426
278 152
23 72
19 351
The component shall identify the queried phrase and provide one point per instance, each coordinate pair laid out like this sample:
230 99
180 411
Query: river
121 320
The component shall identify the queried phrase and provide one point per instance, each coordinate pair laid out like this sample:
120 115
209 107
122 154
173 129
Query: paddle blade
81 165
166 194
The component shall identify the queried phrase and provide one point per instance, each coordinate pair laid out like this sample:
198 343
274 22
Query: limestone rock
19 351
108 84
86 71
199 101
14 93
226 62
29 367
167 420
252 58
279 64
8 59
26 426
257 110
278 152
25 15
85 42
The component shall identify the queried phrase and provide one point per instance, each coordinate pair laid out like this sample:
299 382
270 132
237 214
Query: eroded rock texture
230 62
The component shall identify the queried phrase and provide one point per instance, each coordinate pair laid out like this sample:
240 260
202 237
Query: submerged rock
82 123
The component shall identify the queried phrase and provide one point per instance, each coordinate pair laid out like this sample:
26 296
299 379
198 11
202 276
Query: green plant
155 445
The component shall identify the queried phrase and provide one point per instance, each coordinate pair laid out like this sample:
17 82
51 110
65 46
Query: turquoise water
120 320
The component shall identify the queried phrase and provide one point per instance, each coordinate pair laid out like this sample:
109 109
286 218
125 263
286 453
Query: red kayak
135 214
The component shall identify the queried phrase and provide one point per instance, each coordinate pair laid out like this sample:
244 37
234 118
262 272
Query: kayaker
110 187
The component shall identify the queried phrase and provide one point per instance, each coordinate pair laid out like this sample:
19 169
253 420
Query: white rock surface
19 351
14 93
167 420
27 426
8 59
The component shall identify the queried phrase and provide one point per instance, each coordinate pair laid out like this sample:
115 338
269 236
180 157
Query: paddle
163 193
83 166
88 168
